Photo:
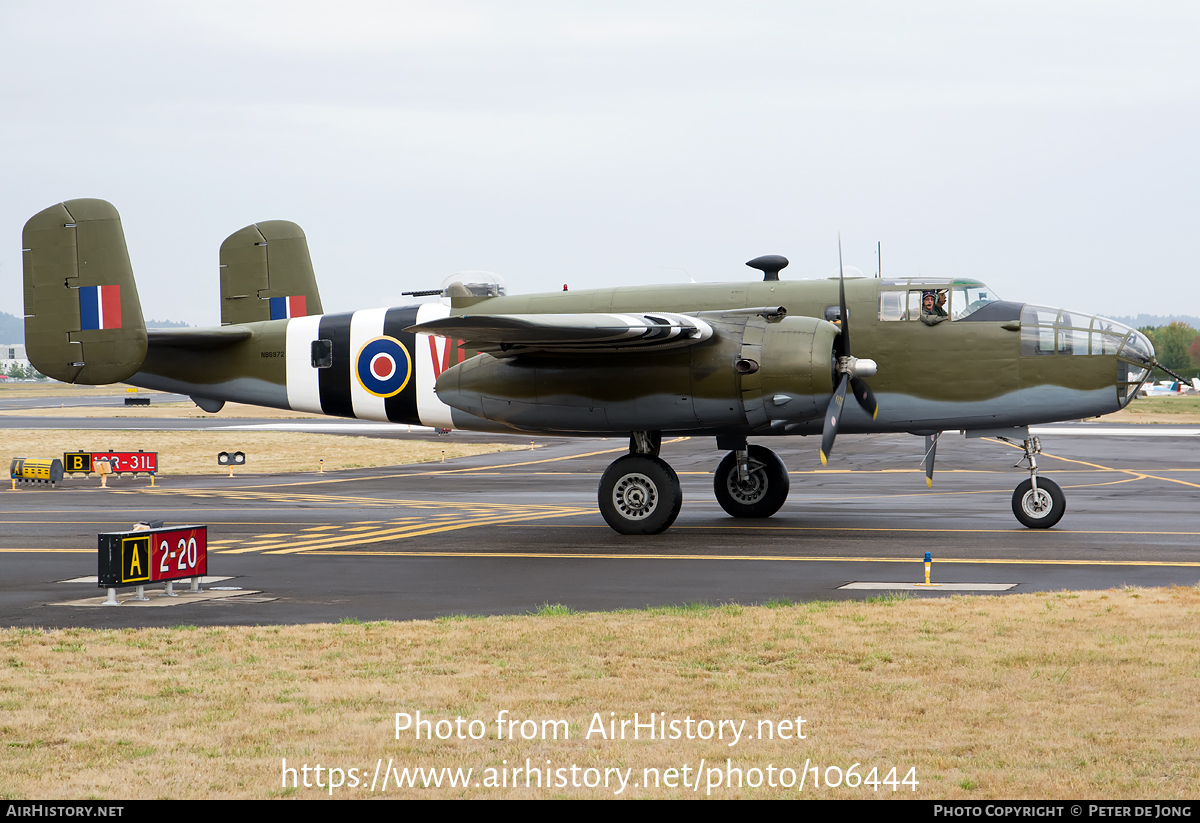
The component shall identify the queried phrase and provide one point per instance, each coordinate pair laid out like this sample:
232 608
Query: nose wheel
1038 503
756 489
1039 508
640 494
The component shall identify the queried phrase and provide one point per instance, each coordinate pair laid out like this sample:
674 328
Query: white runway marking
1140 430
328 428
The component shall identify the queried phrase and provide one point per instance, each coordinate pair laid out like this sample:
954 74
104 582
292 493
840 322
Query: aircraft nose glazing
1138 347
1046 330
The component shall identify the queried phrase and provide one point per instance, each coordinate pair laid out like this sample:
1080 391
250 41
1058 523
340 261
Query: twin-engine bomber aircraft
725 360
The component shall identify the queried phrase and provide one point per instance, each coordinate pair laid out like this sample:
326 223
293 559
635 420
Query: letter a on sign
135 552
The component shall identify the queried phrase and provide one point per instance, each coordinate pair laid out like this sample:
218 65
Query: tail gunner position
732 361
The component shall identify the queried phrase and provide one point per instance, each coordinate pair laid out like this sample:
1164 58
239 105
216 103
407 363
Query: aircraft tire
640 494
1041 510
768 488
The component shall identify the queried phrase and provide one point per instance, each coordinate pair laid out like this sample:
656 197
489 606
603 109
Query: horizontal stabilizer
198 339
518 333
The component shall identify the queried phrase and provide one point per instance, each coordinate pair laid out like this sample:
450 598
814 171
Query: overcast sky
1049 149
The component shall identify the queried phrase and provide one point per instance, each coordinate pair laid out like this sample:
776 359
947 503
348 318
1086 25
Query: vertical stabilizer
83 319
266 274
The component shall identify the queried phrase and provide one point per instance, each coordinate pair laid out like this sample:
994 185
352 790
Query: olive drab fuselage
730 360
955 375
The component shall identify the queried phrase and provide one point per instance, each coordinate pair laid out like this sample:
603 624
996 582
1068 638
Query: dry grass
163 410
53 388
178 410
1027 696
1184 410
195 452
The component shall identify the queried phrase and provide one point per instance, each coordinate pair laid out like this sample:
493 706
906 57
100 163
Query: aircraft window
1105 343
1049 331
1137 347
965 300
1066 320
1037 339
322 354
916 296
891 306
914 305
1072 341
959 301
1038 316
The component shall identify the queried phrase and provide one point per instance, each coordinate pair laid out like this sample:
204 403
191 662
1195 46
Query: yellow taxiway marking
726 557
1137 475
417 530
398 530
929 530
160 489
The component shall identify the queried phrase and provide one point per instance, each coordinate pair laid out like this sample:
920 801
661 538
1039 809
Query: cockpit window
954 299
891 305
965 300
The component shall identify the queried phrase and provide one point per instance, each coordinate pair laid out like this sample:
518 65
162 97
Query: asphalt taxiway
508 532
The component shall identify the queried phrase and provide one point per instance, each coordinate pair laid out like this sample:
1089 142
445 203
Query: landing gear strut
751 482
640 493
1038 503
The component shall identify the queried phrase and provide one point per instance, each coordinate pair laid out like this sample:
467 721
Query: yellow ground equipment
36 470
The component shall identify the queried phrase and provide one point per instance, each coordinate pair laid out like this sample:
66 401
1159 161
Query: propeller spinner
852 370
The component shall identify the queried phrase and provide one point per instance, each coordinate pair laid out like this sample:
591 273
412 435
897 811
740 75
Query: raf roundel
383 366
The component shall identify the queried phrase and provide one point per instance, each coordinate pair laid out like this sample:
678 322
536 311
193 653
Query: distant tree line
12 328
1176 346
19 372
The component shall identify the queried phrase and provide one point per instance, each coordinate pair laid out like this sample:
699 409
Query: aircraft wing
593 332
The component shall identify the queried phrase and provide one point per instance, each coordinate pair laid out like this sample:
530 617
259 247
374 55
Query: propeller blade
845 317
864 396
833 418
930 454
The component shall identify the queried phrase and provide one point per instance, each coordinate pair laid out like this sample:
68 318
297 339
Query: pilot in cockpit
933 304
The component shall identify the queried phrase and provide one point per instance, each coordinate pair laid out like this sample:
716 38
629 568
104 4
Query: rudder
267 274
83 318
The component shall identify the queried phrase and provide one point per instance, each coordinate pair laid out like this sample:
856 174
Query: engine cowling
752 374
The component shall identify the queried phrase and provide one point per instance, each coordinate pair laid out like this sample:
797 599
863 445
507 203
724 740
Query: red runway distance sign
137 558
120 462
129 461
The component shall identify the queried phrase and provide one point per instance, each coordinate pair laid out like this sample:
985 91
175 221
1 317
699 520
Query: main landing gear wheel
764 491
640 494
1039 509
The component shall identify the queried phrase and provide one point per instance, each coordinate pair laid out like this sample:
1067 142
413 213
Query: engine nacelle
753 374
